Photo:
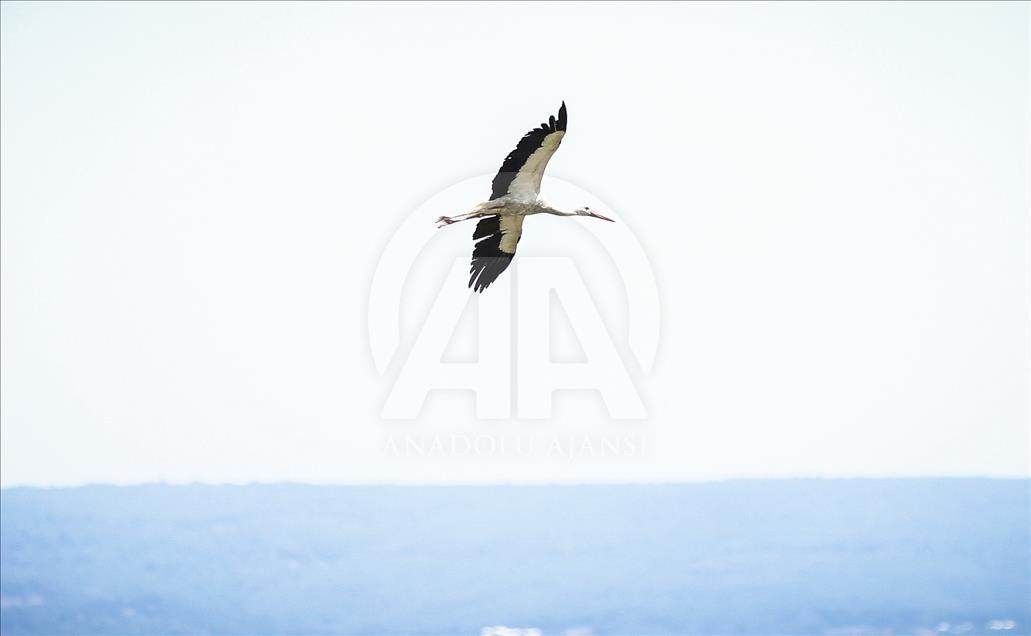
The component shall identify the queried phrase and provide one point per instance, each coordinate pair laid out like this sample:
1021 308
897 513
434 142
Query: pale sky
834 200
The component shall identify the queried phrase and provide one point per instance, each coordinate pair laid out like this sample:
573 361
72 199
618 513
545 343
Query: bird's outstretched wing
498 237
520 174
519 178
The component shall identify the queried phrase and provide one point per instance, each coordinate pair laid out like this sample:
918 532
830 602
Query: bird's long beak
599 216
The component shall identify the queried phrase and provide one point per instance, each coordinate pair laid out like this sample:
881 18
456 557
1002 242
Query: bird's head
586 211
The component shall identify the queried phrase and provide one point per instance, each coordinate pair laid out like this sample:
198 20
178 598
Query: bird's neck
547 209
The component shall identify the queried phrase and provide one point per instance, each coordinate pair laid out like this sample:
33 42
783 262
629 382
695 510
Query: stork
515 195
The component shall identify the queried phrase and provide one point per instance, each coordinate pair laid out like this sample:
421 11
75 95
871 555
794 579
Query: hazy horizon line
517 483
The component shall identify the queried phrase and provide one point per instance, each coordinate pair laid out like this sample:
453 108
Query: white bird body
507 206
515 195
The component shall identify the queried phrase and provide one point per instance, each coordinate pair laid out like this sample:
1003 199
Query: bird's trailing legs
484 209
448 220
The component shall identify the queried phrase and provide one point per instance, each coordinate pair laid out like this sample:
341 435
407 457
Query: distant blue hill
916 556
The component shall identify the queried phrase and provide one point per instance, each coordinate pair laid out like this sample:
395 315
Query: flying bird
515 195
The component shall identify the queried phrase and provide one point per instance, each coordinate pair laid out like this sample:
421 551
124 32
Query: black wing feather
488 259
530 142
